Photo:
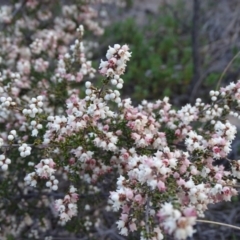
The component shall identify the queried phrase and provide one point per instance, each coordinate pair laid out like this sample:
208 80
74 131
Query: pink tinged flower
218 175
165 162
135 136
216 149
125 155
125 47
176 175
71 161
138 198
103 71
194 171
132 227
51 163
227 193
39 165
72 209
178 132
112 61
58 205
148 139
129 193
226 190
64 217
161 186
74 197
79 77
125 209
142 223
149 162
110 72
184 199
183 169
118 132
121 52
189 212
124 217
105 127
66 199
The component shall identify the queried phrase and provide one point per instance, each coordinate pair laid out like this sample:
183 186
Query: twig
225 70
19 9
147 216
235 186
30 145
197 85
219 223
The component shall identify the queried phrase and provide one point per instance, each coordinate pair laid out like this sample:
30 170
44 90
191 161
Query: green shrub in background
163 46
162 55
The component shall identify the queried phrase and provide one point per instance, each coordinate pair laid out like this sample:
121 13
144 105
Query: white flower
124 231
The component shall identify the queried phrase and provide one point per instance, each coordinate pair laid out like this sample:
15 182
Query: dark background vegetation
180 48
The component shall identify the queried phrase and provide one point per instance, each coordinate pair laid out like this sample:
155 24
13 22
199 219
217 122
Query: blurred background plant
161 60
163 47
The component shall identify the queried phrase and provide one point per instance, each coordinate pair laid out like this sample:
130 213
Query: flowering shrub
165 162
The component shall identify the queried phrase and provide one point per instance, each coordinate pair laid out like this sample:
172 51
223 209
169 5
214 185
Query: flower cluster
4 162
35 107
45 168
179 224
31 179
115 66
24 150
67 207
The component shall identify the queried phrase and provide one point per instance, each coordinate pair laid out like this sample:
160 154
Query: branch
226 69
147 216
30 145
219 223
19 9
